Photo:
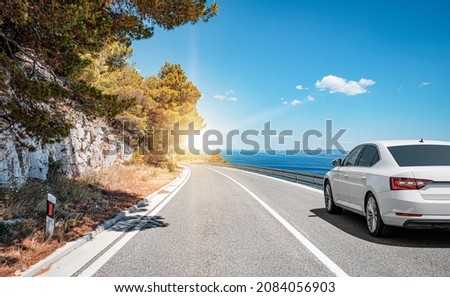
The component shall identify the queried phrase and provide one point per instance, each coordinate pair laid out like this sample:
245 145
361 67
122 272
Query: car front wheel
329 203
373 217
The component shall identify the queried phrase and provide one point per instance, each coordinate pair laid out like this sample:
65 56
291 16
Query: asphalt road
214 227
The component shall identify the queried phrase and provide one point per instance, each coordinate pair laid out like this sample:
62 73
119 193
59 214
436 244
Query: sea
302 162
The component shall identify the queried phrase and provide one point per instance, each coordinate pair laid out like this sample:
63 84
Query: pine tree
44 45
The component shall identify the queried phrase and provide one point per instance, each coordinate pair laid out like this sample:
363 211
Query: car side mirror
337 162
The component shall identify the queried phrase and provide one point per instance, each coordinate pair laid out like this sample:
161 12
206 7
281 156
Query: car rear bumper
408 209
427 224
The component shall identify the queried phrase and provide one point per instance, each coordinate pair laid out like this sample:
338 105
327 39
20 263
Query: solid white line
97 264
308 244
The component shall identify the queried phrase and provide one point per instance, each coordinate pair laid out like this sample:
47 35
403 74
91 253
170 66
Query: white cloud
219 97
300 87
310 98
295 102
226 97
425 83
336 84
284 102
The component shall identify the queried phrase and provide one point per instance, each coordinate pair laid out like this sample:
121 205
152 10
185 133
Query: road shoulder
74 256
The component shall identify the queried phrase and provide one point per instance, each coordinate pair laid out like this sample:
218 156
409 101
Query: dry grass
138 179
82 204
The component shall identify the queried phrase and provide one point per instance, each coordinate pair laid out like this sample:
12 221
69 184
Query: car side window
369 156
352 157
375 159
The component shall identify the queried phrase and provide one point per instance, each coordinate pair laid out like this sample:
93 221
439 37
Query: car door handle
363 178
345 175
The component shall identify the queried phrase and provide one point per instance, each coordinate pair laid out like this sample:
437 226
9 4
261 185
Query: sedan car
404 183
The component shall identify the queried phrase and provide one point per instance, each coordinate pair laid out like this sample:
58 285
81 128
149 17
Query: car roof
399 142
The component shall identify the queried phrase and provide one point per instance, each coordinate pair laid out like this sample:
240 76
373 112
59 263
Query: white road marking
278 180
333 267
97 264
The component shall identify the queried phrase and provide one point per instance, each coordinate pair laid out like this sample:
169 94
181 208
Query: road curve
214 227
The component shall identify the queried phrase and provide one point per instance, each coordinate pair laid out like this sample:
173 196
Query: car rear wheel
373 218
329 203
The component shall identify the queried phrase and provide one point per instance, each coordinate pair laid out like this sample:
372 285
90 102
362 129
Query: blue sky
380 69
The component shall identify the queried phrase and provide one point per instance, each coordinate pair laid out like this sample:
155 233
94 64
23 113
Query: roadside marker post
50 222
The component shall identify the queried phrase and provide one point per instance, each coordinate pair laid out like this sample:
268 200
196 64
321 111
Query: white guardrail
312 180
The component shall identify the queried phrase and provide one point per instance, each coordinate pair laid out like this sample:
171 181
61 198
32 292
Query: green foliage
171 164
136 159
166 14
217 158
55 32
38 112
96 104
173 97
159 101
155 160
45 45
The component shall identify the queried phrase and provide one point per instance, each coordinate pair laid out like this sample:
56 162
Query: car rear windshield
421 155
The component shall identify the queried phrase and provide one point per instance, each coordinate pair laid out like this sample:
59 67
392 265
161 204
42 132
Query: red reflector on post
50 218
50 210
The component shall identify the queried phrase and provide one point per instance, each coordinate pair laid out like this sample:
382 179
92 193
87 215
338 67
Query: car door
357 176
340 182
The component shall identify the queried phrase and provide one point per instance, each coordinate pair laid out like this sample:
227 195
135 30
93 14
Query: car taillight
406 183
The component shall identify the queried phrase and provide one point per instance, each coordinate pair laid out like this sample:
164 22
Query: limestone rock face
90 147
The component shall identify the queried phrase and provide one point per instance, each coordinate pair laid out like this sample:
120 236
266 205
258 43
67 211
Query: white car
403 183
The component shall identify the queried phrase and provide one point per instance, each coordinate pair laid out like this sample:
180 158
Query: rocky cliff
89 148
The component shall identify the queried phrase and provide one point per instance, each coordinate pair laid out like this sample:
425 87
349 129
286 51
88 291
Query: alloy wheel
372 215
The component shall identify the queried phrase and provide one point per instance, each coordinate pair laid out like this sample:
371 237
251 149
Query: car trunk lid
439 189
